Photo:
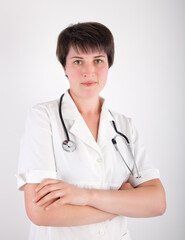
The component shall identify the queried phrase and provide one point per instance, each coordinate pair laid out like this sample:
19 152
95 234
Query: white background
146 82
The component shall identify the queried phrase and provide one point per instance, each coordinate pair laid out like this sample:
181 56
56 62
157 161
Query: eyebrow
99 56
77 57
82 57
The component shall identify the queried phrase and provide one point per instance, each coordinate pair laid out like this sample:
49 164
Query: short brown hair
85 36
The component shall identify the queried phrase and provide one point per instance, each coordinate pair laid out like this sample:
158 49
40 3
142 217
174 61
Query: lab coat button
99 160
101 232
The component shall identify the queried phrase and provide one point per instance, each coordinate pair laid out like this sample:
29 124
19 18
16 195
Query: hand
56 192
126 186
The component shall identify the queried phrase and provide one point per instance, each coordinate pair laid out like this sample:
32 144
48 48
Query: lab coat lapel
76 124
80 130
106 130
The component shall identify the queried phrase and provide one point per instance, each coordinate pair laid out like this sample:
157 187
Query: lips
89 83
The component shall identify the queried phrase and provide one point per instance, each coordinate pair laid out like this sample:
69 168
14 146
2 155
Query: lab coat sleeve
36 159
146 170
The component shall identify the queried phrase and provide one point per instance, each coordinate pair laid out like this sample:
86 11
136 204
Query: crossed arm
57 203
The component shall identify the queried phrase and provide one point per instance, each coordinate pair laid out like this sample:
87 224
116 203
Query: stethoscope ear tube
115 144
137 175
135 165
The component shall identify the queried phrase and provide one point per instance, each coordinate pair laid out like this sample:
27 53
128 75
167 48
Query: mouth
89 83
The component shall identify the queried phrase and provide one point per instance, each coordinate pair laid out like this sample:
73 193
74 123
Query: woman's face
87 72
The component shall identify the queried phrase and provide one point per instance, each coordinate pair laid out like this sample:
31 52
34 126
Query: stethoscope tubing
70 146
137 175
61 118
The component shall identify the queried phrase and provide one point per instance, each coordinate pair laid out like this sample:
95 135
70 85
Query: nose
88 71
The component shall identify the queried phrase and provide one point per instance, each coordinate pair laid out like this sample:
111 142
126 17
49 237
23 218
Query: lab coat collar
69 109
79 128
106 130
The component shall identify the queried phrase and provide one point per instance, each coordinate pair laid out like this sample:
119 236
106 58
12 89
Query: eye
98 61
78 62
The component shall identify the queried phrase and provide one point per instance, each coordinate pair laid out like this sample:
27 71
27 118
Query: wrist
93 200
90 196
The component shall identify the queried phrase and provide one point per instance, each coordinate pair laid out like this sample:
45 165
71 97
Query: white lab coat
92 165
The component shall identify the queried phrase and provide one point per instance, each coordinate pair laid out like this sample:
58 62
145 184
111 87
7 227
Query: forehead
74 51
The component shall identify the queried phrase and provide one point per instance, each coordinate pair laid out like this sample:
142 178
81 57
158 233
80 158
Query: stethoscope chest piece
68 146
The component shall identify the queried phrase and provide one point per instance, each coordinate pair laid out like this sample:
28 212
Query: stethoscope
70 146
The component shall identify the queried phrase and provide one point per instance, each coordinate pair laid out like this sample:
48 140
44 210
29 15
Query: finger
46 190
46 182
54 204
50 196
59 202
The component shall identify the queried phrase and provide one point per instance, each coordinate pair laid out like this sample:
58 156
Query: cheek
103 72
74 73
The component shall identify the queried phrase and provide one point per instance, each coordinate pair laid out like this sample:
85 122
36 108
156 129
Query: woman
86 192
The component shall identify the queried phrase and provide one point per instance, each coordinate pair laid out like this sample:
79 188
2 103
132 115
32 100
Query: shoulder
42 113
45 108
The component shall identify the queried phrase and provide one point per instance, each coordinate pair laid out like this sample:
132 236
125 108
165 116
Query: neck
87 106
